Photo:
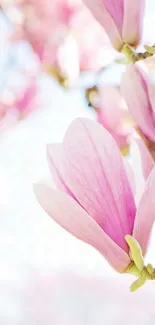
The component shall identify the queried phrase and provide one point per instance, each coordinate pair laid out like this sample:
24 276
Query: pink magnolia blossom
22 101
93 45
65 37
62 62
112 113
138 89
46 24
62 10
121 19
98 206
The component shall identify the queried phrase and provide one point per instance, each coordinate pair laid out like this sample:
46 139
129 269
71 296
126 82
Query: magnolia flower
95 50
112 113
45 24
138 91
122 21
62 62
98 206
65 37
18 102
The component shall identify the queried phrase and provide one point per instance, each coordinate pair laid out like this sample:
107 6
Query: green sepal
150 49
132 269
137 284
150 269
135 252
122 61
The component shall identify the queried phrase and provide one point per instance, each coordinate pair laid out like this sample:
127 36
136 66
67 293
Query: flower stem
132 56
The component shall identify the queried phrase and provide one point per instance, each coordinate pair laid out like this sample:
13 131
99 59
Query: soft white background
47 277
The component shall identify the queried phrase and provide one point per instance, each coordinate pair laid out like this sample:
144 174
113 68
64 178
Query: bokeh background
47 277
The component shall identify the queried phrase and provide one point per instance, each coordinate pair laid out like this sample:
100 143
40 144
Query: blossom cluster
96 200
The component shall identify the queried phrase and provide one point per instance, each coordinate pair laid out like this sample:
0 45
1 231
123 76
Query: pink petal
27 98
121 139
95 173
66 212
110 17
130 174
116 11
146 158
133 21
151 89
54 155
145 216
111 114
135 91
136 164
111 107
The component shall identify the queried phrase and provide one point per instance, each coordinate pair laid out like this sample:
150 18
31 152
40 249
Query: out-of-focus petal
151 90
133 21
121 19
113 115
146 158
106 12
136 163
111 107
135 91
115 10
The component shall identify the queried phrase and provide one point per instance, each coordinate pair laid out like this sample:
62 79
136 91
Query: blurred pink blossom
22 101
112 113
146 158
135 89
26 100
98 206
94 47
138 90
46 24
65 37
141 165
122 20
